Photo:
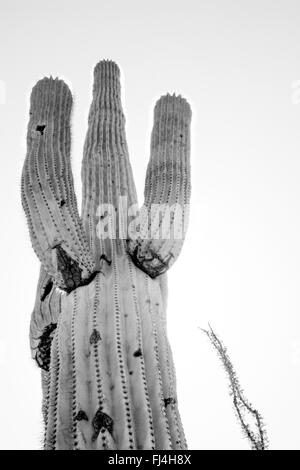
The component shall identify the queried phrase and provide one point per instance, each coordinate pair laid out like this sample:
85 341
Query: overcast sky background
238 64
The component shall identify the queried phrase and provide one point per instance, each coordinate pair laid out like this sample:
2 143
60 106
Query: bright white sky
238 63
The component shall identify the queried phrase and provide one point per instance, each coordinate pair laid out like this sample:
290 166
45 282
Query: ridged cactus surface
98 330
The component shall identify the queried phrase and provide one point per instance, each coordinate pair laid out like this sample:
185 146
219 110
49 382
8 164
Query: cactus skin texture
98 329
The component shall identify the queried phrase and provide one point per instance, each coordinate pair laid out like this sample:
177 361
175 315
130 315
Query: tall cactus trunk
98 329
112 382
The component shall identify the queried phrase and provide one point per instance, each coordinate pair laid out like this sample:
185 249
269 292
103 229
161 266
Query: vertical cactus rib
142 411
82 367
168 380
167 188
47 188
64 440
51 428
163 284
153 365
127 436
100 385
45 376
106 170
75 409
180 440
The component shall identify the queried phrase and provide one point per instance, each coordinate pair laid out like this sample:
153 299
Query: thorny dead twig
243 408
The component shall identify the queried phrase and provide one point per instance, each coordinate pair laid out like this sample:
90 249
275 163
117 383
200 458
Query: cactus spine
98 329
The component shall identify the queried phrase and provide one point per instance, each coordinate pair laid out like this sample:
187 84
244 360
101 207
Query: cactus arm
48 195
106 172
164 215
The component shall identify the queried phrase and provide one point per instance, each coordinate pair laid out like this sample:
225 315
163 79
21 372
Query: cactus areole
98 329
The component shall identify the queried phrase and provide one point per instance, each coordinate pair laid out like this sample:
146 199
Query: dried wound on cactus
108 376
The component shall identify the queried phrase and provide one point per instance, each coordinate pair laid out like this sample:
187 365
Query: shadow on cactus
98 328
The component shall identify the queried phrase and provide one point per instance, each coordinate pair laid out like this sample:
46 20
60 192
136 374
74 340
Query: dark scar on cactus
101 421
46 291
103 256
81 416
62 203
70 270
150 262
40 128
138 353
95 337
169 401
42 356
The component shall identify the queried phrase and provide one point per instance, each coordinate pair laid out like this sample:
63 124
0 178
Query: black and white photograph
150 228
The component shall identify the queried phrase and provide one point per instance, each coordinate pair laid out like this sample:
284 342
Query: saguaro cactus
98 329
